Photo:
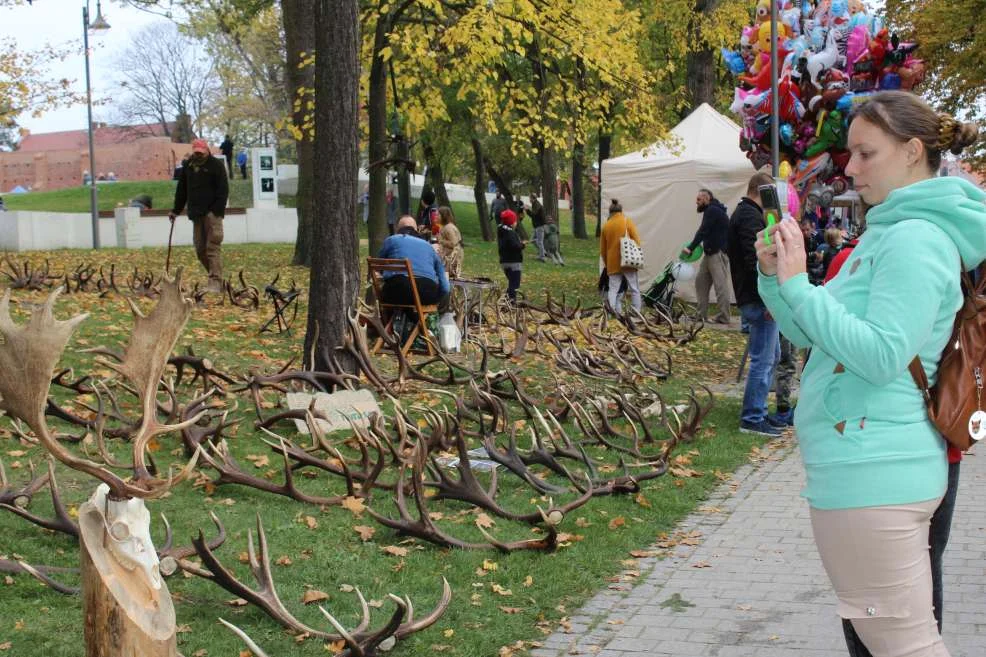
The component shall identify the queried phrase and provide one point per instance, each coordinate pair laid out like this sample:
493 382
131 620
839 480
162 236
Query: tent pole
775 154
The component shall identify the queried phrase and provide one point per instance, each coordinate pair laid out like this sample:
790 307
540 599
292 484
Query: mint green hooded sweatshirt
864 434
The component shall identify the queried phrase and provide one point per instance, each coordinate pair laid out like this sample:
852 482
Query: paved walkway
754 586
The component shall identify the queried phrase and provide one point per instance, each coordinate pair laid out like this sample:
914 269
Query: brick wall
151 158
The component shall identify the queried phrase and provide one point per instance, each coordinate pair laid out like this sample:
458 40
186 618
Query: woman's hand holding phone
767 250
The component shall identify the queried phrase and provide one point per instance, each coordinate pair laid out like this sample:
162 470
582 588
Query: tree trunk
299 36
700 65
605 142
335 272
183 130
123 615
502 183
379 145
701 72
577 199
549 178
479 191
436 177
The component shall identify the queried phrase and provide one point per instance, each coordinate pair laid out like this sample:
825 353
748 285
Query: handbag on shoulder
955 403
631 255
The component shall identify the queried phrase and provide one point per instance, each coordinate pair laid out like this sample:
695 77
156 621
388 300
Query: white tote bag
631 255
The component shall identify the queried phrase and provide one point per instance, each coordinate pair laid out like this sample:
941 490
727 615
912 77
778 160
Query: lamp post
98 25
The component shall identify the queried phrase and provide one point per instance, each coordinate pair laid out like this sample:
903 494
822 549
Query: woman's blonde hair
445 212
905 116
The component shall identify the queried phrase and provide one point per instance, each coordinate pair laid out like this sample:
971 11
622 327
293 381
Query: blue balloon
890 81
818 38
857 19
734 61
786 133
844 104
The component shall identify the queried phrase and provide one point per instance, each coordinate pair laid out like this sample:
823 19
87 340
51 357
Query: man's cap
509 217
200 146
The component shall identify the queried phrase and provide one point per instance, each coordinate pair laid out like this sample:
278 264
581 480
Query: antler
29 353
62 522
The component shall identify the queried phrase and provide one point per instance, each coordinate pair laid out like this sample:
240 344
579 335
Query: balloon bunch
832 54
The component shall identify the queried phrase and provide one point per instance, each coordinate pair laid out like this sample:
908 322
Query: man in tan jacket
613 231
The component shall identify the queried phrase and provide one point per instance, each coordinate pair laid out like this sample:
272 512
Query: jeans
630 276
539 241
764 347
941 526
513 282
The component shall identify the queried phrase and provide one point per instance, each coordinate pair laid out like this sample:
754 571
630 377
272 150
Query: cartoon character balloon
833 54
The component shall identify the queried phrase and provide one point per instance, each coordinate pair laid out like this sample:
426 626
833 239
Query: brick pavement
763 592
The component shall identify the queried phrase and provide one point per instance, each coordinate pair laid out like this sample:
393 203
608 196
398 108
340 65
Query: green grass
112 195
41 623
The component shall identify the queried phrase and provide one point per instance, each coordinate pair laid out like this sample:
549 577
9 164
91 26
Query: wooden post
128 609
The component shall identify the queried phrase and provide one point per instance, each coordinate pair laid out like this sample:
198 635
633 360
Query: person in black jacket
226 148
511 249
746 222
204 186
536 213
714 269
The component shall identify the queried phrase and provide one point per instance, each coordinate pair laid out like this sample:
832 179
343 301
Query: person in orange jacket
616 227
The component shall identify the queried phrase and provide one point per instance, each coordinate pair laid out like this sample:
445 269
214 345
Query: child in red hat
511 249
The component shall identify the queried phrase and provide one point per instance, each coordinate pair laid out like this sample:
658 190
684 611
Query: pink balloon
856 45
793 202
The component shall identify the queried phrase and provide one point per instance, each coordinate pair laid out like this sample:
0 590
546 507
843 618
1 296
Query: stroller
660 294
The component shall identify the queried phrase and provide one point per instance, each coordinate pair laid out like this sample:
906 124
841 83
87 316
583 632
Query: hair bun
965 135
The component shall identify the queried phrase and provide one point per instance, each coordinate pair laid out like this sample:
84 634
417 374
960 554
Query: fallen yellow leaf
314 595
355 505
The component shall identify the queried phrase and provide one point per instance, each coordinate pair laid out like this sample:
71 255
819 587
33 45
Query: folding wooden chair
376 268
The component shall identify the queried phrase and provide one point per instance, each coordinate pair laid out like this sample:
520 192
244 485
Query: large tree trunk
577 199
299 36
605 142
701 71
124 615
502 182
335 273
549 181
479 191
700 65
436 177
379 145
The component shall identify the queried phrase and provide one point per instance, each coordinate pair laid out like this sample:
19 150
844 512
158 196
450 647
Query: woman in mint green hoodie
875 465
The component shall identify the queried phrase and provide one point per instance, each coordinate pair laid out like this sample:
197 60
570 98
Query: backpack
955 404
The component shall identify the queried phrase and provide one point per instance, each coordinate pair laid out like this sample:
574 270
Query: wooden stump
124 615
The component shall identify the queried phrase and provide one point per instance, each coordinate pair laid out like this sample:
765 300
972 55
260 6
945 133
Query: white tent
657 185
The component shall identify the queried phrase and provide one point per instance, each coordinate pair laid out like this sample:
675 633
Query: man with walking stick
204 186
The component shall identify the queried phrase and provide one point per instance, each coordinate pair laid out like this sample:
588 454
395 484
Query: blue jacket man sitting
429 273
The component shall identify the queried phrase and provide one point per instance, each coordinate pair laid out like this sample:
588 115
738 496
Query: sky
59 22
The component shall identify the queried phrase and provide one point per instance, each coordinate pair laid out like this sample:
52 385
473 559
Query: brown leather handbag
955 404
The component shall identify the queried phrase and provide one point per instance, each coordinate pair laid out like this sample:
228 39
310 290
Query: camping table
468 287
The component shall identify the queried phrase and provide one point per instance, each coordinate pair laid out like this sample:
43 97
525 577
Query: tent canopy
657 185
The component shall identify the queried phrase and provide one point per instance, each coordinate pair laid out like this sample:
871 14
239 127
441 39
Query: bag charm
977 421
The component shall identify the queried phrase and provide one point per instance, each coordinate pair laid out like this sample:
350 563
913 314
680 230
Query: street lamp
97 25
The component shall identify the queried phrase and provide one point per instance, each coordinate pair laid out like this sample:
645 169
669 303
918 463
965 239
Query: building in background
56 160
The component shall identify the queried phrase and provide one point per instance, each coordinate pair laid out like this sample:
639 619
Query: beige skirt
878 561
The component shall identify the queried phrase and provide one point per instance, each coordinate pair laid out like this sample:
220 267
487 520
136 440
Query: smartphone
771 207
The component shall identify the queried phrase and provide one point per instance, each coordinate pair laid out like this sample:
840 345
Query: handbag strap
968 288
920 378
